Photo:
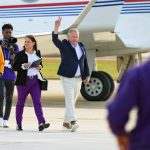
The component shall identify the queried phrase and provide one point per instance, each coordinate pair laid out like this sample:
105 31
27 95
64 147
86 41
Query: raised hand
58 22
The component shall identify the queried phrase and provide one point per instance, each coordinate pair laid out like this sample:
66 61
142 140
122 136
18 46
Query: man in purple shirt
134 92
7 80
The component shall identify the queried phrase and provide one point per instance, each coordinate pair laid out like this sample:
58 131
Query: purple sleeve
125 100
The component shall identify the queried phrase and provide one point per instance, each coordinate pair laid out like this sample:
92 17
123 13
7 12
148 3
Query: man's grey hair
73 30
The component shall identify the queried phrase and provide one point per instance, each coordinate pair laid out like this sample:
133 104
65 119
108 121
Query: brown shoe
67 126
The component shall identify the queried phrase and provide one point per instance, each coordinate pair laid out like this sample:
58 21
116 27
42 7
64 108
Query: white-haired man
73 70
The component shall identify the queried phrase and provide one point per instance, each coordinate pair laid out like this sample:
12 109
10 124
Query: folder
36 63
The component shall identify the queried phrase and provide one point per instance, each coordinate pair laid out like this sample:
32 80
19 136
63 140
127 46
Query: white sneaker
5 124
1 122
74 127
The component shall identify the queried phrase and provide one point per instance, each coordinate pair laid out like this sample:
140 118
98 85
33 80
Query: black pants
8 85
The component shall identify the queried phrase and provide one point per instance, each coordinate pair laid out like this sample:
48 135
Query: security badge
7 64
7 61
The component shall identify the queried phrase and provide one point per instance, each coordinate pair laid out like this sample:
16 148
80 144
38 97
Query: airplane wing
39 16
102 16
133 26
98 16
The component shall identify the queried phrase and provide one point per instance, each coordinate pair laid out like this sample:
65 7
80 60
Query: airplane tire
111 84
98 88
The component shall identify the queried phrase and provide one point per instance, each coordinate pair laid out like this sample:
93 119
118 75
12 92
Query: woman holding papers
27 81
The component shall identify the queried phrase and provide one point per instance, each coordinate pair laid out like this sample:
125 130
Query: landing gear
100 87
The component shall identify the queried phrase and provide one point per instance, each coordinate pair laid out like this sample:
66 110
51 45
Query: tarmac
93 132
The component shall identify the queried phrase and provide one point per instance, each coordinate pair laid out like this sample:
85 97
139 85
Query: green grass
108 66
51 65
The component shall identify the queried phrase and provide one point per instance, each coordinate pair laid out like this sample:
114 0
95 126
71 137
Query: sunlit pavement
93 133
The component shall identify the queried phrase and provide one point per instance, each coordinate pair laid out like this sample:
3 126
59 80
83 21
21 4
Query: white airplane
127 20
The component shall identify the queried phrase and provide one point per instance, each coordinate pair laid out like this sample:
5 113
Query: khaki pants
71 87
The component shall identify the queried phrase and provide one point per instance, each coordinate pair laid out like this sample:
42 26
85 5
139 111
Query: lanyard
6 56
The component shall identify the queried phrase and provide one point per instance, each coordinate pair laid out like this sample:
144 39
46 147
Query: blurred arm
1 61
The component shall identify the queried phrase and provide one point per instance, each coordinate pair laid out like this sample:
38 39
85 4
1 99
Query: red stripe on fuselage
45 5
128 1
